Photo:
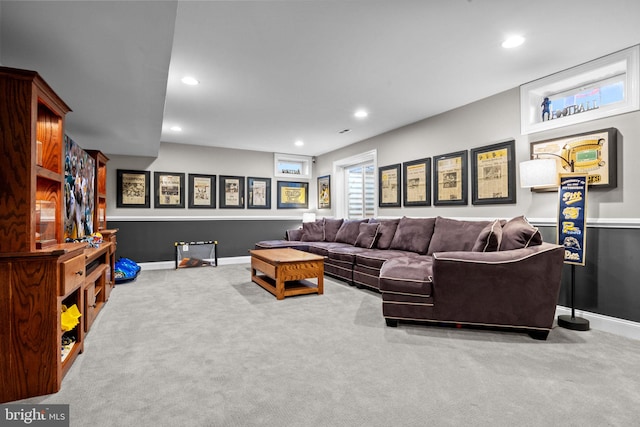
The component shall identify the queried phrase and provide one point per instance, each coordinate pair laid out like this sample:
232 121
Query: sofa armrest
516 288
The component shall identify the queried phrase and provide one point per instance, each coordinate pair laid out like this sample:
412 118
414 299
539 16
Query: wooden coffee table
285 270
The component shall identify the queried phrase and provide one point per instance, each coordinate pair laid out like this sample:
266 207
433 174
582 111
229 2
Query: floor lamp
543 173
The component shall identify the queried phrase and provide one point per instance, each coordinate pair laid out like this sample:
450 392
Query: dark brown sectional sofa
488 273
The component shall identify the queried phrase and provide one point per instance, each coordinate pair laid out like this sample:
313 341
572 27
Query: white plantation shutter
360 191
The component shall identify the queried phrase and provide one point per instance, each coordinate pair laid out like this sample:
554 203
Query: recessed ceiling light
361 114
513 41
191 81
176 128
299 143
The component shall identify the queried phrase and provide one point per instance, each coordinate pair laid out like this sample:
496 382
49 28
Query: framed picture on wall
231 192
324 192
292 195
450 179
258 193
416 182
132 189
202 191
493 174
169 189
593 153
389 186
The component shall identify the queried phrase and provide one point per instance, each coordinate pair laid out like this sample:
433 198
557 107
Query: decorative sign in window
605 87
292 166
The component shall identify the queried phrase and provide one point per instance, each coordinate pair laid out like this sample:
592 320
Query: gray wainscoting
153 241
608 282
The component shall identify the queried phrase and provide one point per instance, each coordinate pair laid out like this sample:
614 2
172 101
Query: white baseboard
170 265
613 325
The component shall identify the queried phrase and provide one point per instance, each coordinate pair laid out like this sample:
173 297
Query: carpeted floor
207 347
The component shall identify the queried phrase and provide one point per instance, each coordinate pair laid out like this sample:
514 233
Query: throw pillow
413 234
386 231
294 234
331 227
517 233
455 235
367 236
489 238
349 231
313 231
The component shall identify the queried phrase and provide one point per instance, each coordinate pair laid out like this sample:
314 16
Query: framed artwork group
211 191
492 169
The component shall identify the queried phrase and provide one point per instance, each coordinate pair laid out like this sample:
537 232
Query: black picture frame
231 192
493 171
450 180
202 191
324 192
258 193
133 188
168 189
293 195
389 186
416 182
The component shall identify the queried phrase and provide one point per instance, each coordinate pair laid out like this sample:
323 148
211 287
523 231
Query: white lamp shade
538 173
308 217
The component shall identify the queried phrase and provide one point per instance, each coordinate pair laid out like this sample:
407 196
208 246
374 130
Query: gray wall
497 119
606 285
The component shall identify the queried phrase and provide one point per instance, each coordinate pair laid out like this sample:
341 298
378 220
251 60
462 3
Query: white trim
338 174
600 322
171 265
303 161
160 265
624 62
594 222
204 218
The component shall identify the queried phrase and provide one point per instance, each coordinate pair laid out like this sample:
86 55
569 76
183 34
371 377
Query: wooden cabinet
31 166
99 264
100 190
35 285
40 276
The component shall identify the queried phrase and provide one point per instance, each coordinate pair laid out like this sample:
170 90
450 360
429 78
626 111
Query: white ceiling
273 72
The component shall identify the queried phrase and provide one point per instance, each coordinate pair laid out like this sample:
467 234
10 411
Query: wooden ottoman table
284 271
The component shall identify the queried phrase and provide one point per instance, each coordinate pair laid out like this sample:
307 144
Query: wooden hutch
40 274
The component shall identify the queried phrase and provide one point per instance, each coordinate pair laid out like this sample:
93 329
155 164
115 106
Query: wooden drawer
72 274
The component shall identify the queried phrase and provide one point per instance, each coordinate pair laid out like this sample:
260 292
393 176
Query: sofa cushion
489 238
374 258
294 234
409 276
344 253
313 231
386 231
322 248
517 233
349 230
454 235
413 234
331 227
367 236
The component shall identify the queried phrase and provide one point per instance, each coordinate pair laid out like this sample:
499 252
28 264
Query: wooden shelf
39 272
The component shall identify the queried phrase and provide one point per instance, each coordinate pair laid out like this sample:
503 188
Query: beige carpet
206 347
